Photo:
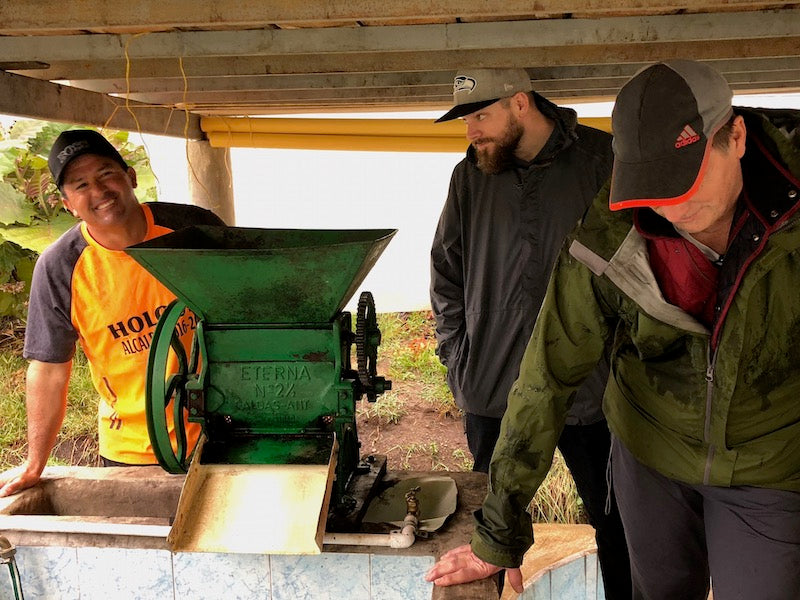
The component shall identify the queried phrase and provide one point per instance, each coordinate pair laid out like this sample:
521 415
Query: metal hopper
240 275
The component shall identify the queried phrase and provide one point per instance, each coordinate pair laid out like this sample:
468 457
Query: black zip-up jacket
493 251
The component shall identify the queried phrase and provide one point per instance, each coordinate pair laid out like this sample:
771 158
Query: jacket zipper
710 363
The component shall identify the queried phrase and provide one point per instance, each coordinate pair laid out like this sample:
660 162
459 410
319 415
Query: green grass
77 441
12 398
557 499
430 450
409 342
388 408
466 459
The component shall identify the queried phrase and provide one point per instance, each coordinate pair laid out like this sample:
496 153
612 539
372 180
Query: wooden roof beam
50 16
32 98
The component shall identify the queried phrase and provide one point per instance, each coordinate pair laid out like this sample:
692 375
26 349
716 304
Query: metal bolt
792 194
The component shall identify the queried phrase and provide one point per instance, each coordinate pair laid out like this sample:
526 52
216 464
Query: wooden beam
303 81
431 94
32 98
52 17
443 93
411 38
444 60
758 67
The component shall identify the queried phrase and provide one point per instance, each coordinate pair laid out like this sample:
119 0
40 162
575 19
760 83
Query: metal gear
368 337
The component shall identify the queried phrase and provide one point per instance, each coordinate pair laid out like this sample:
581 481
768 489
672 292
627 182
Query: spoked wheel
164 393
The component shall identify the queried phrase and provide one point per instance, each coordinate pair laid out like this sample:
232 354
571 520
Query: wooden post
211 179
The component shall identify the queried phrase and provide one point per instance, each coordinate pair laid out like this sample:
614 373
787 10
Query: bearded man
530 173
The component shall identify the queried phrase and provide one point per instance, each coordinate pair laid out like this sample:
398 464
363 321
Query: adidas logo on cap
687 136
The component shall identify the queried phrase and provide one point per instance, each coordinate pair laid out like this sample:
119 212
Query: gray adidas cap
474 89
663 121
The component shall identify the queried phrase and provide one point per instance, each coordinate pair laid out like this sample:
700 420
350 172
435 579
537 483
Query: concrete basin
74 504
102 533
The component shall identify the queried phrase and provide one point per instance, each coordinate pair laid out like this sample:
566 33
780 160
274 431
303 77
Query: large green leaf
10 149
10 254
16 143
16 266
39 236
7 305
26 129
147 189
14 207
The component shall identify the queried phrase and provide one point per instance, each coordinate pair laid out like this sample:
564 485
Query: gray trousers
746 540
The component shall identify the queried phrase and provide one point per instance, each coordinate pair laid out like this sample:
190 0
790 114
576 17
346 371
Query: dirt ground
421 440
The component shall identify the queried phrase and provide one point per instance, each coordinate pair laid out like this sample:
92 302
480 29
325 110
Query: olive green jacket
726 416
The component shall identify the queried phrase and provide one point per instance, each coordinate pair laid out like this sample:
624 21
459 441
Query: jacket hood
779 128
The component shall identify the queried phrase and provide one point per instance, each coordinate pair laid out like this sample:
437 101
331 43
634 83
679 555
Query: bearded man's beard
500 156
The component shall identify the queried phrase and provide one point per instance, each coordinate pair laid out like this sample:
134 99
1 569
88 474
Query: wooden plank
303 81
411 38
50 16
35 99
743 68
445 60
432 94
442 93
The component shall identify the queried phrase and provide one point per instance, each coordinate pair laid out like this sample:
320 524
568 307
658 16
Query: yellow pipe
368 143
375 135
379 127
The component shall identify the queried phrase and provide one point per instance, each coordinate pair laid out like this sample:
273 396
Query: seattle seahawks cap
474 89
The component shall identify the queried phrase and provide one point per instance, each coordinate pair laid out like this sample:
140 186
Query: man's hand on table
460 565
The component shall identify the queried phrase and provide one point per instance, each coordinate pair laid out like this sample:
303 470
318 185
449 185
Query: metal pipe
375 135
399 538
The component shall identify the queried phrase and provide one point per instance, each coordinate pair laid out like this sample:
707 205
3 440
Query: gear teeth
365 354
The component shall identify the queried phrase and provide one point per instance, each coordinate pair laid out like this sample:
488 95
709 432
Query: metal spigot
412 502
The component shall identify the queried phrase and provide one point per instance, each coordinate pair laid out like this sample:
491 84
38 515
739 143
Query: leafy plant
31 214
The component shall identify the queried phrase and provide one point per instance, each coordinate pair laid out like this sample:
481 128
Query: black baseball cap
474 89
74 143
663 122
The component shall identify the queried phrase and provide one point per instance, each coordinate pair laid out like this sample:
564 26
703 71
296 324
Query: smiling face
99 191
495 133
708 214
